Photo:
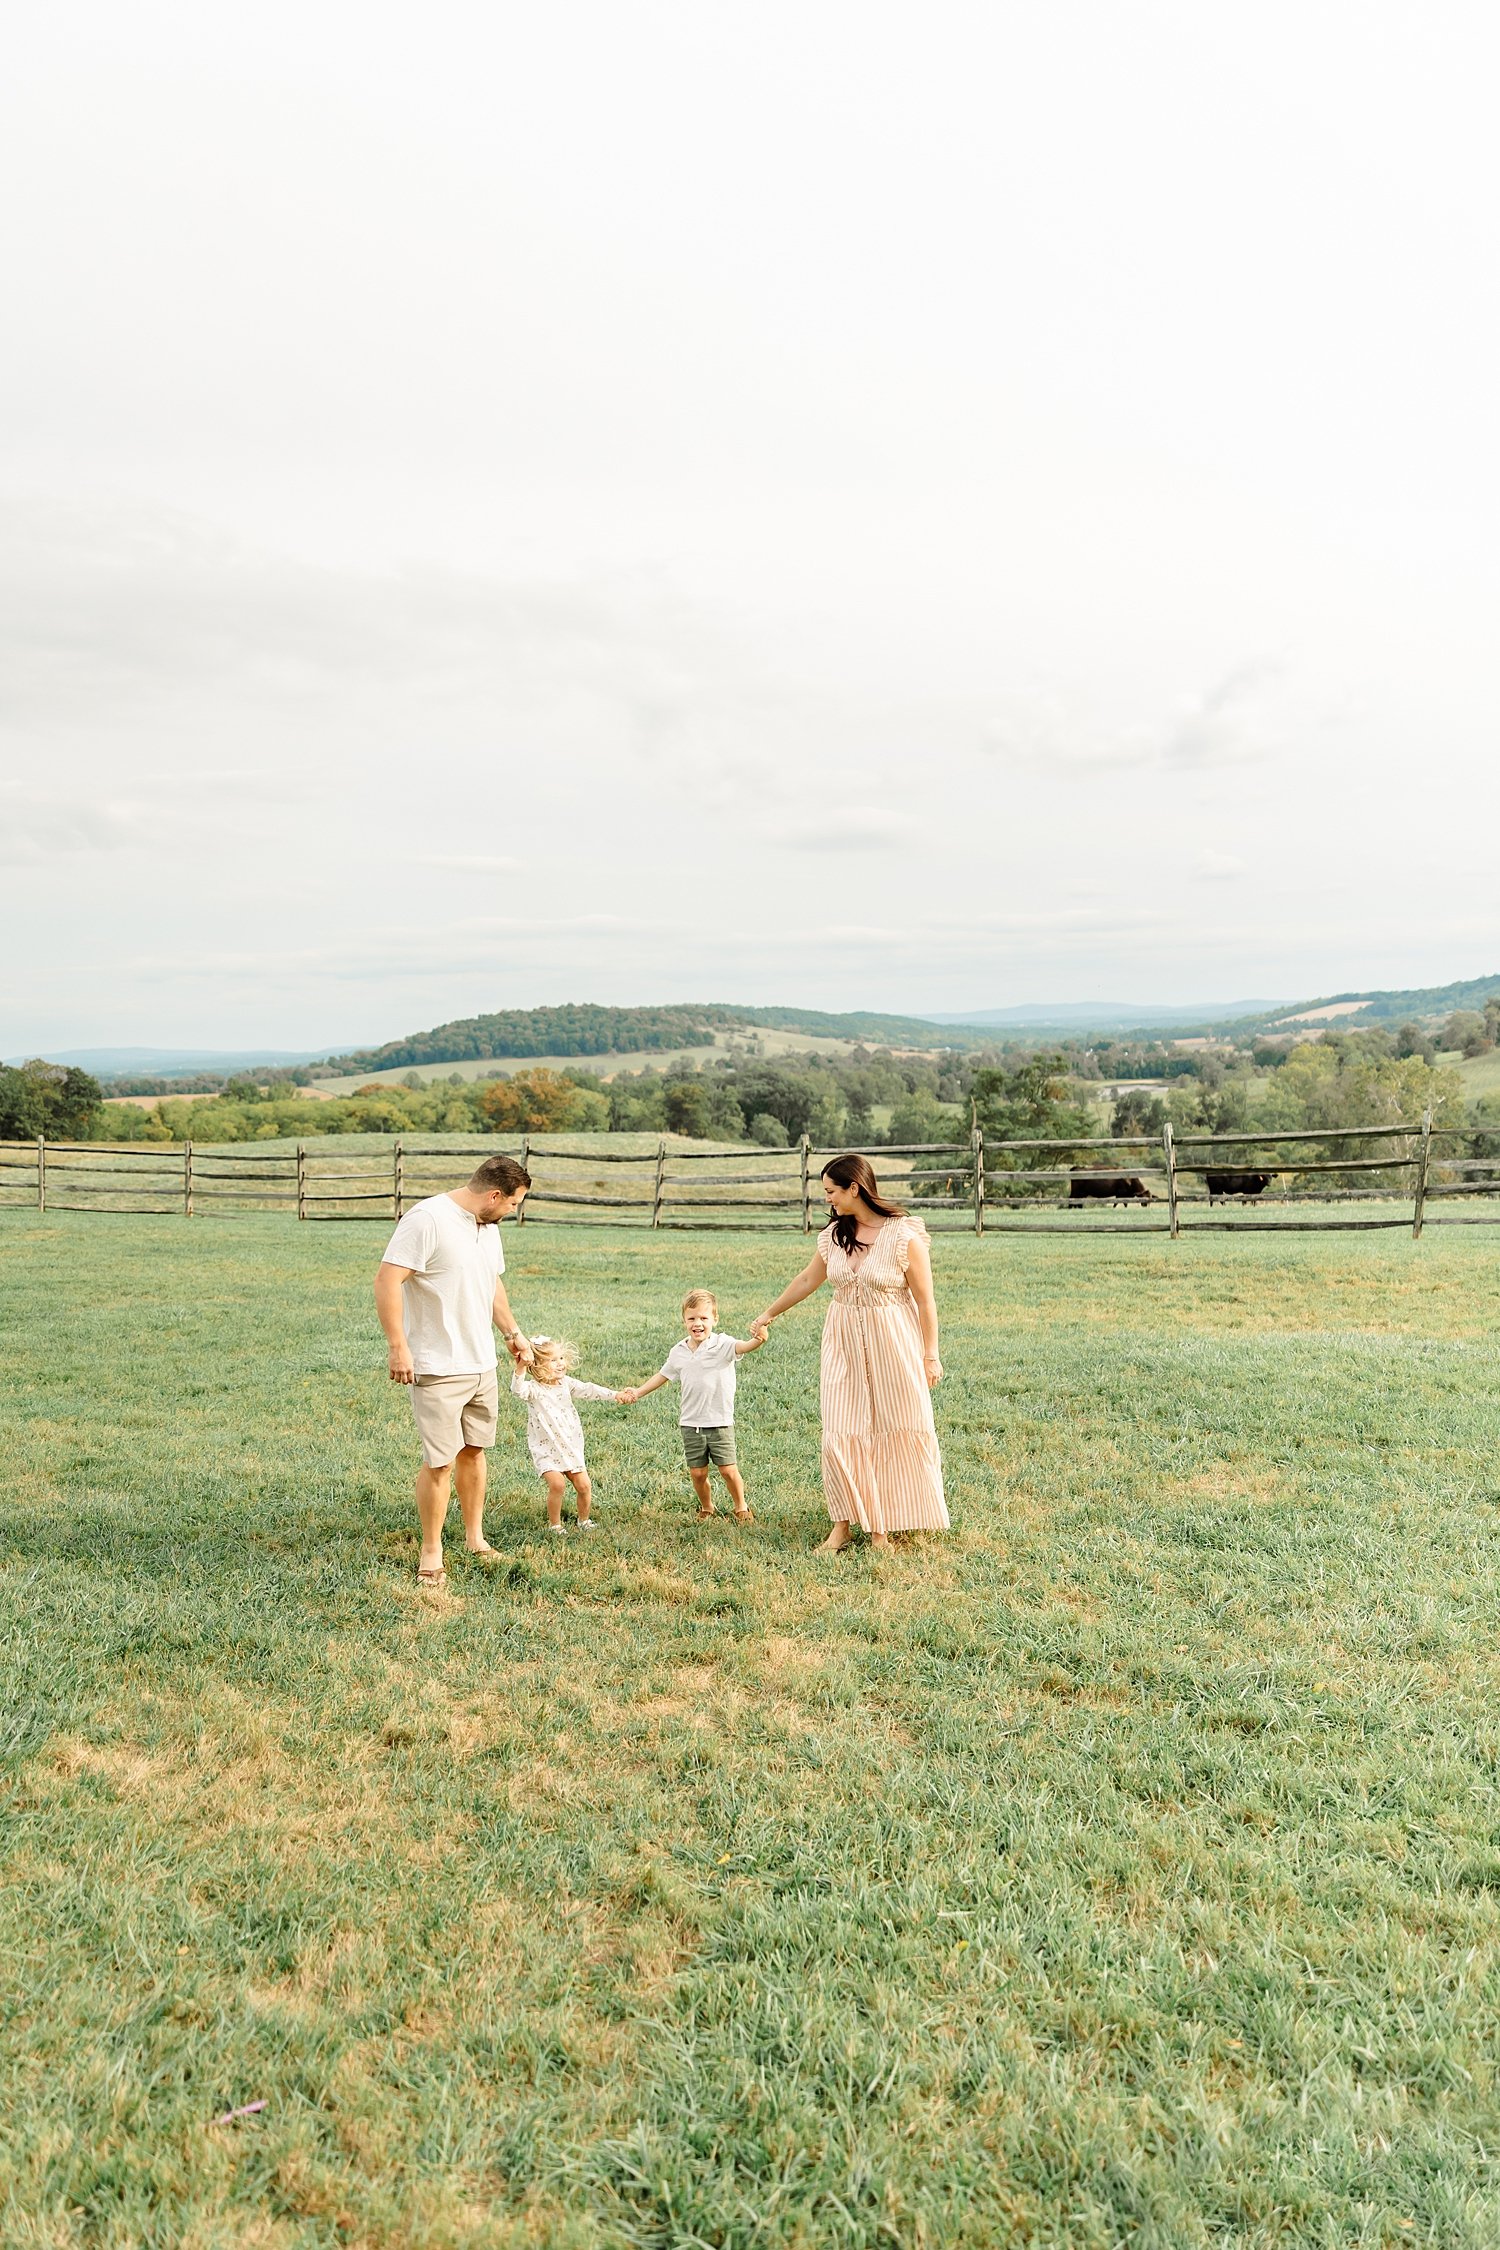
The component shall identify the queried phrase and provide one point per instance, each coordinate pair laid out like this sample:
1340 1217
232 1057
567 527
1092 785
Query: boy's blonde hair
553 1358
701 1297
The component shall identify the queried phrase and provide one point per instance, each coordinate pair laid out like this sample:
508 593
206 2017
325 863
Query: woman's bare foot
837 1540
880 1540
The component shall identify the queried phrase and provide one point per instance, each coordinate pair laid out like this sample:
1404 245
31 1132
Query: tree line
868 1097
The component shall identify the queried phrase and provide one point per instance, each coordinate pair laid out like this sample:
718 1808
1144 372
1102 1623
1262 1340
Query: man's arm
505 1320
389 1283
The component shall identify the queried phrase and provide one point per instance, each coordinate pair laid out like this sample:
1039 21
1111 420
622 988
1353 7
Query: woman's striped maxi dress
881 1464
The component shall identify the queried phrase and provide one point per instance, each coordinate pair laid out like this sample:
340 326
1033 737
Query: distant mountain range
1108 1015
175 1062
579 1029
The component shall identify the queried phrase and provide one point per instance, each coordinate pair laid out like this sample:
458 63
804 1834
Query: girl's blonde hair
553 1354
701 1297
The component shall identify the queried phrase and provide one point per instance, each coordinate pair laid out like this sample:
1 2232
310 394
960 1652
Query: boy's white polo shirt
707 1379
447 1308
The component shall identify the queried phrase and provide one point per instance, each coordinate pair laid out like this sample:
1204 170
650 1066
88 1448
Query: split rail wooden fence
1171 1184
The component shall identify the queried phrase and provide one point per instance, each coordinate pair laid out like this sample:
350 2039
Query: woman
882 1469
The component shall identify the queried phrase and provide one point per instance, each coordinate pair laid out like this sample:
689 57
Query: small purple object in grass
247 2109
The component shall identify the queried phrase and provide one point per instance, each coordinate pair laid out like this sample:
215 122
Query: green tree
48 1098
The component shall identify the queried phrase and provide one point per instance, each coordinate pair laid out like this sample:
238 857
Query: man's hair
502 1172
701 1297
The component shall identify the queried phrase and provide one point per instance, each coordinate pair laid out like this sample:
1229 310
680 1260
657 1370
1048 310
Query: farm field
759 1042
1480 1073
1124 1868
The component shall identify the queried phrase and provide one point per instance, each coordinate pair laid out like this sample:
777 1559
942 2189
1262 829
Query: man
439 1296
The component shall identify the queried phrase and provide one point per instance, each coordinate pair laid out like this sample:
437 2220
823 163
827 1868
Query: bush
768 1130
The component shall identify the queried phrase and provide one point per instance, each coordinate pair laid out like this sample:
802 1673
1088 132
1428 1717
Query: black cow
1108 1187
1238 1183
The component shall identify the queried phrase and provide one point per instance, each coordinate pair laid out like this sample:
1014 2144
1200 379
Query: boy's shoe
587 1523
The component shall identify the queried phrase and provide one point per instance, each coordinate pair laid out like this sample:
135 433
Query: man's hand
520 1350
401 1367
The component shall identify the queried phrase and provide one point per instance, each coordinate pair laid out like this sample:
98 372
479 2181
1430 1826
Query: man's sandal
744 1515
705 1513
433 1580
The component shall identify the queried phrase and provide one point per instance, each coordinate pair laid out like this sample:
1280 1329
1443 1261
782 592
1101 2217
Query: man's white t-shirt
707 1379
447 1307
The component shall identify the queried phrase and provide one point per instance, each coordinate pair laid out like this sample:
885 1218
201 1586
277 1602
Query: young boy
704 1364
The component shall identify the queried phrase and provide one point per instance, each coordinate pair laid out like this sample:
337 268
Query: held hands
520 1350
626 1398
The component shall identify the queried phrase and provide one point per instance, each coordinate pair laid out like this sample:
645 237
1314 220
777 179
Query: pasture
1124 1868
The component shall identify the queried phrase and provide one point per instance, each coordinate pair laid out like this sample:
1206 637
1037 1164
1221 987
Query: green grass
1480 1073
1124 1868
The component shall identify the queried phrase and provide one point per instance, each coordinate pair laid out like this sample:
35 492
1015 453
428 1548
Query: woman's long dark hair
855 1172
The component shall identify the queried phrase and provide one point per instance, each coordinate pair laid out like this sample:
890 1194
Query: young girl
554 1434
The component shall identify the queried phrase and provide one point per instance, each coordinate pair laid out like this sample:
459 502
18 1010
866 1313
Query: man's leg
469 1476
432 1508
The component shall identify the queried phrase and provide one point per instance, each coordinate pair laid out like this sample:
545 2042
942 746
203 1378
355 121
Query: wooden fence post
1419 1202
187 1179
1171 1156
661 1166
302 1179
806 1146
41 1171
398 1178
978 1147
525 1167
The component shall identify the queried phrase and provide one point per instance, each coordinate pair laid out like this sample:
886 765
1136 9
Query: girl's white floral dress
554 1434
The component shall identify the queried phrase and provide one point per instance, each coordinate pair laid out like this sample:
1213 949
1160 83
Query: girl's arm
811 1278
919 1282
521 1384
591 1390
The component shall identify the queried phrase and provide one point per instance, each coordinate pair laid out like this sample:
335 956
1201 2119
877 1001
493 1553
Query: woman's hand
933 1368
625 1398
760 1327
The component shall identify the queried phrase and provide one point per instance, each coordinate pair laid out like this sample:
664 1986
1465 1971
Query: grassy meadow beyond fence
1123 1868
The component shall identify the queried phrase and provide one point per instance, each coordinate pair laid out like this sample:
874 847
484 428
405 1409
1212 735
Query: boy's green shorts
710 1448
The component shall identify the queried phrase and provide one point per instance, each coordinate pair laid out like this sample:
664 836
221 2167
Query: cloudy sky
843 504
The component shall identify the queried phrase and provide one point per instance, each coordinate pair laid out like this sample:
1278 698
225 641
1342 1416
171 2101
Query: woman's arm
919 1282
811 1278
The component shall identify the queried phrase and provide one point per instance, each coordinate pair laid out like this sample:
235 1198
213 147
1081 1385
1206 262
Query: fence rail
979 1186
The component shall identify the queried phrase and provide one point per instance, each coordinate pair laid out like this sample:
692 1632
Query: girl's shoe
560 1529
587 1523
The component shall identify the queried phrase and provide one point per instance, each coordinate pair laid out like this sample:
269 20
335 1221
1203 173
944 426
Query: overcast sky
849 505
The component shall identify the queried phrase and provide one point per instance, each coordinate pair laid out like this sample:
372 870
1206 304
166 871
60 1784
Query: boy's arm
658 1382
760 1337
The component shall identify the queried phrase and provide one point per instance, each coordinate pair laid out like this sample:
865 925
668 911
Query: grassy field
1123 1868
761 1041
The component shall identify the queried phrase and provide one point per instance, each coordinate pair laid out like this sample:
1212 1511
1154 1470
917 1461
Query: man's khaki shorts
453 1411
